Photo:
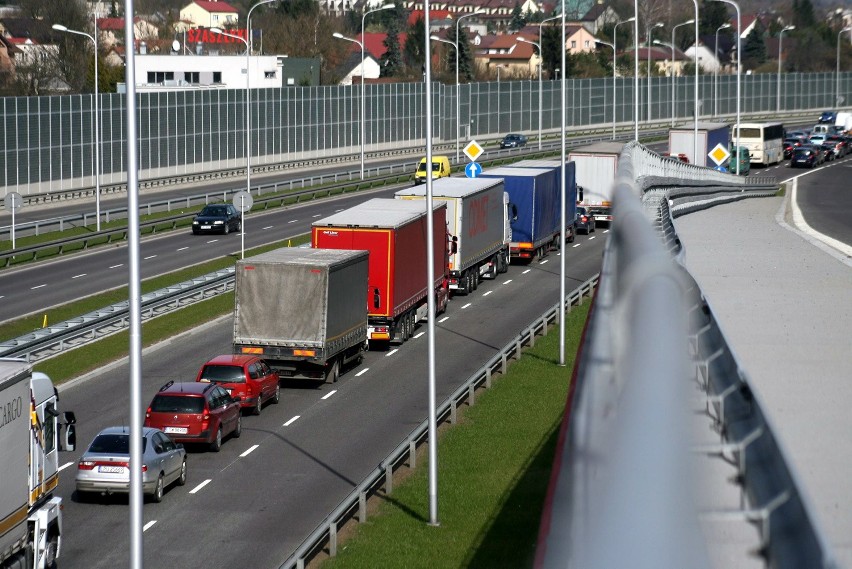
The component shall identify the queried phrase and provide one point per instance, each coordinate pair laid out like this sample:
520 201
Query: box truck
594 168
395 234
477 227
31 427
709 135
302 310
570 181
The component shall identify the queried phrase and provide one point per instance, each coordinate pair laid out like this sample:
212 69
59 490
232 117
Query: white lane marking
606 230
487 293
525 272
592 237
78 276
803 226
337 210
67 464
117 266
182 249
421 333
362 372
268 227
200 486
248 451
507 282
2 297
329 394
575 245
543 262
148 526
319 214
213 241
38 286
293 221
291 421
444 319
392 352
151 257
465 306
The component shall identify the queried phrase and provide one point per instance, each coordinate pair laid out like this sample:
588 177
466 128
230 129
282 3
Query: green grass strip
493 472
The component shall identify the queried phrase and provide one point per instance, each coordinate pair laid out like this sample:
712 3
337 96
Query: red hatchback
195 413
247 378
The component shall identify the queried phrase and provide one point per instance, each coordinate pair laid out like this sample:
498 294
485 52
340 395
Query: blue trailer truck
535 194
570 188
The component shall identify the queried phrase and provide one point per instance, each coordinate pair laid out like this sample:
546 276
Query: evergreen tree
465 55
392 58
803 14
295 8
551 55
754 50
712 15
517 22
414 46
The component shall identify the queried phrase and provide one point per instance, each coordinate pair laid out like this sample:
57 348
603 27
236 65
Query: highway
312 449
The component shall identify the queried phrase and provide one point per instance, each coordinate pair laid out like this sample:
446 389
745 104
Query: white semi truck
30 429
595 174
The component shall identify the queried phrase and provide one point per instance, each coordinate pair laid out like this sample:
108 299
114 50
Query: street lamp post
540 65
458 89
695 99
837 72
97 127
716 70
248 125
615 63
613 83
248 24
648 44
780 51
739 51
674 91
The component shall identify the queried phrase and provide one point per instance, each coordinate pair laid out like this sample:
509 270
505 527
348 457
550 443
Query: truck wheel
333 373
402 326
51 549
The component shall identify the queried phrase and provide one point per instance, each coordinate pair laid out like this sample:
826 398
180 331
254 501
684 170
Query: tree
414 46
296 8
754 50
803 14
465 55
551 39
391 63
517 22
712 15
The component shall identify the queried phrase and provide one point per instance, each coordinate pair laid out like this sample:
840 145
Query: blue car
828 117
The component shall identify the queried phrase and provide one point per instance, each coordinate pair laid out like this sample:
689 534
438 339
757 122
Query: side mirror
377 299
454 246
178 445
70 442
236 399
514 216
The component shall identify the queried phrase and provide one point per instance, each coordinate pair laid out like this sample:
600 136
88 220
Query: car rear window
223 374
177 404
113 444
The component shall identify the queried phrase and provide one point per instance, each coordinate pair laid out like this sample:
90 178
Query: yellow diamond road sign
473 150
719 154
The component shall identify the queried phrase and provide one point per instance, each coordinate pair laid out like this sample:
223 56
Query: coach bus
765 141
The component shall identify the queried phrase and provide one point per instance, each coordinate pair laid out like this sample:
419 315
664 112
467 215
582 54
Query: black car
807 156
217 218
828 117
584 222
791 144
513 141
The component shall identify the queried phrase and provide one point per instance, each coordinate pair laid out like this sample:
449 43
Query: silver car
104 467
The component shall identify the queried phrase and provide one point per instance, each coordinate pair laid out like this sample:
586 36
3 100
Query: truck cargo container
395 234
535 194
477 225
302 310
30 429
570 181
595 167
709 135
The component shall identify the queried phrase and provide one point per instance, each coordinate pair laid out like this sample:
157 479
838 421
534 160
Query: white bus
765 141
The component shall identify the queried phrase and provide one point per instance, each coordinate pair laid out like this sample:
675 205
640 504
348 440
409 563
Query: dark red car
247 378
193 412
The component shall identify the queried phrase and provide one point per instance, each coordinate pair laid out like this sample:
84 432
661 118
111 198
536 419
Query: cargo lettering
11 411
478 216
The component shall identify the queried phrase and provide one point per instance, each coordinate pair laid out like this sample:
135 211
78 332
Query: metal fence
47 143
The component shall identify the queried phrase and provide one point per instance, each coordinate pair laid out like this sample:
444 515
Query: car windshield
113 444
223 374
214 211
177 404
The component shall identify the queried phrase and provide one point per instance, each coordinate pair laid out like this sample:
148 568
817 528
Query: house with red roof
207 14
111 31
374 43
503 55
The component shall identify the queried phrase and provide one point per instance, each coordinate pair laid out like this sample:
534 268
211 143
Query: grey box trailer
302 310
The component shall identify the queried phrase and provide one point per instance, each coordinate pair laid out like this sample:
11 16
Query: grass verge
493 472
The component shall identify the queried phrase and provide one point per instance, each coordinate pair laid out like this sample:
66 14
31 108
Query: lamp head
659 25
692 21
436 38
216 30
724 26
60 28
388 7
337 35
630 19
788 28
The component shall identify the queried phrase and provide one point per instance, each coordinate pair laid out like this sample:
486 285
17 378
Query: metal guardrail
354 506
91 327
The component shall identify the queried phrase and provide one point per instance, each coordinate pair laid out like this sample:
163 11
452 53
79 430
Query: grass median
493 472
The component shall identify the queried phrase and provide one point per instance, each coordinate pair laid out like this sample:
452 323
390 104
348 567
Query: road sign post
12 202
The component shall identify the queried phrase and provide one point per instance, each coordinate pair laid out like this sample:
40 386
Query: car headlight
218 222
195 222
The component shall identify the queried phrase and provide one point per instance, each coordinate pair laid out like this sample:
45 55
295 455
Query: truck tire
402 326
333 373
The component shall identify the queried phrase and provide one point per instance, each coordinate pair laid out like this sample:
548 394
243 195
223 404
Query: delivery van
440 169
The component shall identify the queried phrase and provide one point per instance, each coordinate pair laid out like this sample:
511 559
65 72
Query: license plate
176 430
205 227
111 469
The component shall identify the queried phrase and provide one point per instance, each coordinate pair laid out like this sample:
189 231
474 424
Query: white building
167 72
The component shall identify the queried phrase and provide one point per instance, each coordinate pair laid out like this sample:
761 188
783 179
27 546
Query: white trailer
595 175
30 514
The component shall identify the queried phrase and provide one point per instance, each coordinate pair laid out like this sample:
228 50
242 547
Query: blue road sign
473 170
720 168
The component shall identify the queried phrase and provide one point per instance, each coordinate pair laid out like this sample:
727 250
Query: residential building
503 55
111 31
352 68
207 14
599 16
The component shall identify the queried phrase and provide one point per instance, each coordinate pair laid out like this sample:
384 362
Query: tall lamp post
540 65
739 51
716 70
780 51
363 121
837 72
248 122
614 62
672 45
248 24
97 137
541 52
613 82
458 91
696 112
648 45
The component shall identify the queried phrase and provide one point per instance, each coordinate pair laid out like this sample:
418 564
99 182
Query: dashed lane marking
575 245
268 227
117 266
78 276
149 257
291 421
38 286
444 319
248 451
465 306
362 372
418 335
525 272
329 394
592 237
507 282
544 262
200 486
487 293
392 352
183 249
67 464
149 525
293 221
